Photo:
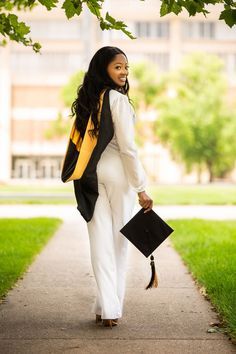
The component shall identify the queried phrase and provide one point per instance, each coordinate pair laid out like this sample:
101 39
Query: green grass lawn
209 250
37 188
20 241
194 194
38 200
221 194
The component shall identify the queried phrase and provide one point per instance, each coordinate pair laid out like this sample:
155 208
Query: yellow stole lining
84 146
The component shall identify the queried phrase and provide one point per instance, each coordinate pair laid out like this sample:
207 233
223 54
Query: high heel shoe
98 319
110 323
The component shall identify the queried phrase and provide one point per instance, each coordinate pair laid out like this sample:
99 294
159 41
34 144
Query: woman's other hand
145 201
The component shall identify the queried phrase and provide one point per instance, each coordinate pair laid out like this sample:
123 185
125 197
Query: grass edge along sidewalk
208 248
210 194
20 241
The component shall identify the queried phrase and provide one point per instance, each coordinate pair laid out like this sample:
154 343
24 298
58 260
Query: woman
119 176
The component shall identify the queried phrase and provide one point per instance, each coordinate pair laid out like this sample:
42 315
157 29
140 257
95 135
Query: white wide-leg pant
108 247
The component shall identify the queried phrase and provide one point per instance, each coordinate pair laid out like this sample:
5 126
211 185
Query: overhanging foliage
15 30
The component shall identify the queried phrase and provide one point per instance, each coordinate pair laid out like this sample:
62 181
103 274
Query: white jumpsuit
120 176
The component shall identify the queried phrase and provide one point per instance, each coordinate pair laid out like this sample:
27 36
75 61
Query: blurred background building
30 83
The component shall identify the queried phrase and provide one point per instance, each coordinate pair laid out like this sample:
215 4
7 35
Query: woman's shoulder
116 96
120 105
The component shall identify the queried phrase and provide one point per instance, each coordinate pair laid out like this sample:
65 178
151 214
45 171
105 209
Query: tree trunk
199 171
210 170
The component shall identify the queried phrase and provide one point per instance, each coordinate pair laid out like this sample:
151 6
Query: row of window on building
49 167
189 30
36 167
60 29
53 62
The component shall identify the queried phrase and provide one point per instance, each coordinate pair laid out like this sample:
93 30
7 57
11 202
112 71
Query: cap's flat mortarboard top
146 231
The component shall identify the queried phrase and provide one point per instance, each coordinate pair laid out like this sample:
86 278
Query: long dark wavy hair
95 80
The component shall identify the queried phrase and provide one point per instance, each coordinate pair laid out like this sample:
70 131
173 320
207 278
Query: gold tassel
153 281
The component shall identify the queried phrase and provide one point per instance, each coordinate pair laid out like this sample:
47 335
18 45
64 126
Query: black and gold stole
82 156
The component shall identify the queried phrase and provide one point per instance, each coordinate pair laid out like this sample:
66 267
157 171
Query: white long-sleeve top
123 118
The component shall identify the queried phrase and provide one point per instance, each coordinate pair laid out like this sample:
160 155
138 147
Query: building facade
30 83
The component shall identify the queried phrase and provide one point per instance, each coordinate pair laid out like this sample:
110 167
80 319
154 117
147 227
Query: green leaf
6 5
78 7
129 34
3 43
36 47
176 8
13 19
49 4
191 8
164 9
117 25
229 16
170 6
23 29
69 8
94 8
228 2
72 7
19 28
31 2
110 19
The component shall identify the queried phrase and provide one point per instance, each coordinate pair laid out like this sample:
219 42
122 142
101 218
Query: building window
152 29
198 30
206 30
23 168
224 32
55 29
36 167
162 29
48 168
22 63
143 29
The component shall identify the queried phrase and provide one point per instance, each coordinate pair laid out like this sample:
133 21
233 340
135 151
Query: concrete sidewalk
49 311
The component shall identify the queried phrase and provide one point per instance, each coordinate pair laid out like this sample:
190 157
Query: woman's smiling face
118 69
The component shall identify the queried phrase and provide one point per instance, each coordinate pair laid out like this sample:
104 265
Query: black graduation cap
147 231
